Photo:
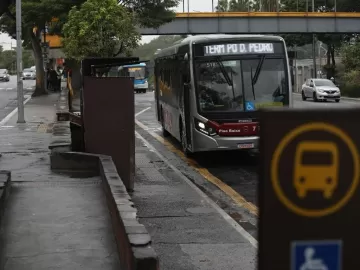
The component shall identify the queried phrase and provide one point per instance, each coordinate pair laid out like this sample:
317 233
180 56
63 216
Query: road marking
11 114
144 110
227 218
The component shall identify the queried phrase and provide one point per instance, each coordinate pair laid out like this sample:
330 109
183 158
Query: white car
28 74
320 89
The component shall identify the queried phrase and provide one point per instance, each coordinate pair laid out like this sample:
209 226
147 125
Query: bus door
156 92
186 82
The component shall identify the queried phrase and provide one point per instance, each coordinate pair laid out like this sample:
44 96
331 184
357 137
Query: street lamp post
20 93
314 44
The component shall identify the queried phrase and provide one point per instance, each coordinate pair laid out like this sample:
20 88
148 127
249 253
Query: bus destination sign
235 48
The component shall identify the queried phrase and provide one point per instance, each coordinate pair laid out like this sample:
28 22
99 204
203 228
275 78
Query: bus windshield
137 72
254 83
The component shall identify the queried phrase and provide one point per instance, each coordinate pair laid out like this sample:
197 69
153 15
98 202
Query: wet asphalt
8 94
237 169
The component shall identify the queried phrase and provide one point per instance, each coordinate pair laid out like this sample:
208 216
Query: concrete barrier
5 188
132 239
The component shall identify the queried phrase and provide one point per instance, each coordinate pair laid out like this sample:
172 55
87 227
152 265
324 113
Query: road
8 94
237 170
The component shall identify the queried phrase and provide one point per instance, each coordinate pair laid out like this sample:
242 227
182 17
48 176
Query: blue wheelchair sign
249 106
316 255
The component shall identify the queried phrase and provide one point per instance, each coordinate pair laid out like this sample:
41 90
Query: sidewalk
187 231
51 221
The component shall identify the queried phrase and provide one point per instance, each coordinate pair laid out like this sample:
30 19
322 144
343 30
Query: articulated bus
139 73
209 88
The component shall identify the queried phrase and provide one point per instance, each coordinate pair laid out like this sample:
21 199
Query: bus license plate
246 145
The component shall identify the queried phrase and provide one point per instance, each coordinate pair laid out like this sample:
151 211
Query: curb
133 241
5 188
341 98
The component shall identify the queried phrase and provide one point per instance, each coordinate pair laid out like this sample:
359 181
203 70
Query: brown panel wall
109 122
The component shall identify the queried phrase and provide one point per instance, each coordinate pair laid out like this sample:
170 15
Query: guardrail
269 14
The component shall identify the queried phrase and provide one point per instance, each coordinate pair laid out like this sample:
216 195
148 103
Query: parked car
28 74
320 89
4 75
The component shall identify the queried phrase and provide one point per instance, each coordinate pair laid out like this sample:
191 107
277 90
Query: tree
4 6
100 28
8 59
150 13
234 5
147 51
35 16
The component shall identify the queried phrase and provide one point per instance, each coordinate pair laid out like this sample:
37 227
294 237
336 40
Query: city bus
208 89
139 73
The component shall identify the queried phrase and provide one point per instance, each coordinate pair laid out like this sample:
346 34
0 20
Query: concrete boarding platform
187 230
59 224
51 221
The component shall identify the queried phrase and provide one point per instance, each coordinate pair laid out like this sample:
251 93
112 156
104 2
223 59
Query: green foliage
351 56
234 5
151 13
35 14
8 59
351 59
98 29
147 51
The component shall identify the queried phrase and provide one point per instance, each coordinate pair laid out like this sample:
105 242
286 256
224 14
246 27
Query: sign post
309 190
20 90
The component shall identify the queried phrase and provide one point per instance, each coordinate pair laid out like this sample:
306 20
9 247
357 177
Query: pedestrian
53 79
68 75
48 80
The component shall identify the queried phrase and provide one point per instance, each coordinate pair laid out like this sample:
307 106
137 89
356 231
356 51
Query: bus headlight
207 128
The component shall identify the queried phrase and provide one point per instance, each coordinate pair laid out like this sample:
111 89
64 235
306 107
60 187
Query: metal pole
212 5
320 60
188 6
20 94
44 59
183 6
314 44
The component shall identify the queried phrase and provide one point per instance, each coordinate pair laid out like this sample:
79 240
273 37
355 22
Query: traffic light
4 5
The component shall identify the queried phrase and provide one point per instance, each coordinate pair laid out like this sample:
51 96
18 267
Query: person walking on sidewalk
68 75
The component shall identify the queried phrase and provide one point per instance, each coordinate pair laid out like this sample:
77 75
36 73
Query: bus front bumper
141 86
203 142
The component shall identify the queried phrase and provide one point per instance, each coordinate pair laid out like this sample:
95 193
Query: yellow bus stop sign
318 174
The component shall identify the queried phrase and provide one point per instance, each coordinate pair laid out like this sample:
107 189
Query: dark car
4 75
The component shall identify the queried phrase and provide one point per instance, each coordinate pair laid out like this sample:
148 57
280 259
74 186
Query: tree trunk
40 74
333 55
328 55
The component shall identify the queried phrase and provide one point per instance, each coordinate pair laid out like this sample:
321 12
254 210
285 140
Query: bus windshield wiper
258 70
252 83
255 78
223 70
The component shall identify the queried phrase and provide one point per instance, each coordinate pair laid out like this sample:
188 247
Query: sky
194 6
